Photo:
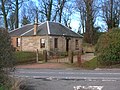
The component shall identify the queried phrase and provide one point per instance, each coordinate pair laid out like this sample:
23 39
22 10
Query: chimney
35 26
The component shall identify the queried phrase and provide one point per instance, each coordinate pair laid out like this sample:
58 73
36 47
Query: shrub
6 56
6 49
108 48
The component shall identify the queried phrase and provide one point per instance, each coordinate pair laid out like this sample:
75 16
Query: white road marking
70 78
88 87
70 73
109 80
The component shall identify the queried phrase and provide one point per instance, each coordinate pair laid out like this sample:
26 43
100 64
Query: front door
67 45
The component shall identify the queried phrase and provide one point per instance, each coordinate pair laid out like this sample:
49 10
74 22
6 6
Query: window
42 43
18 42
56 42
76 45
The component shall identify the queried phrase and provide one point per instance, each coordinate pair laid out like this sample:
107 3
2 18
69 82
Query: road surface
68 79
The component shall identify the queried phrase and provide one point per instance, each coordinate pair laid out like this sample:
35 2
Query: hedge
108 48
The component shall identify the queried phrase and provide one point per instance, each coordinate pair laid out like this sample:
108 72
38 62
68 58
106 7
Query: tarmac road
68 79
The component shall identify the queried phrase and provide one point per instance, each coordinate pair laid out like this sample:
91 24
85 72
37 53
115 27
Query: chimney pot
35 26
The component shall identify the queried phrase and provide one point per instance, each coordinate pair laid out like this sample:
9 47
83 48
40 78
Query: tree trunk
16 15
4 14
49 10
89 22
61 10
111 1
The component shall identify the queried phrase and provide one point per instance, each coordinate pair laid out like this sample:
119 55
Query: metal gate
60 57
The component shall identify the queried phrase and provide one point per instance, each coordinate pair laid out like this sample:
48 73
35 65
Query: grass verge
92 64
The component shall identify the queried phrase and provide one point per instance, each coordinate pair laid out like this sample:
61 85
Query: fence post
79 58
70 53
37 56
45 55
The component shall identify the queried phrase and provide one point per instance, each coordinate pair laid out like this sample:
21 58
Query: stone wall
32 43
14 43
62 43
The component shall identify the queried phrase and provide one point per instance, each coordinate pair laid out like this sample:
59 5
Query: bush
108 48
6 49
6 56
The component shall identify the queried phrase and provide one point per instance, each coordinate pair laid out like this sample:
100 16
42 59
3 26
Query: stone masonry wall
32 43
14 43
62 43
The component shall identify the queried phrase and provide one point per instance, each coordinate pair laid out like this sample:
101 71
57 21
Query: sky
75 23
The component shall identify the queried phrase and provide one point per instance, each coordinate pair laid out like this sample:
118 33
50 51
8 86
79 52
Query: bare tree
88 12
9 7
52 10
61 4
5 7
82 10
89 21
46 8
11 21
16 5
67 13
32 11
16 13
111 13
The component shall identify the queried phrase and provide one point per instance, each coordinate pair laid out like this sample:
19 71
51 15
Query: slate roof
45 28
20 31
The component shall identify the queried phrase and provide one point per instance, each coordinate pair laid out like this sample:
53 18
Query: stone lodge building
45 36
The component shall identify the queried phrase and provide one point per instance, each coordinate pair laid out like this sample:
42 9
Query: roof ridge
56 29
42 23
64 26
67 28
26 32
71 30
60 24
29 31
48 28
19 28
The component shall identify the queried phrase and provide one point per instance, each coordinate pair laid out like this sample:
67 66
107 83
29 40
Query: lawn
22 57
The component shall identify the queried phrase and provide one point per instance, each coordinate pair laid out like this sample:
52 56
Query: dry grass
17 83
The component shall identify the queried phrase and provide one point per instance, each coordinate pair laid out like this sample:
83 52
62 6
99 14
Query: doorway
67 45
